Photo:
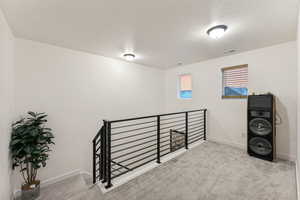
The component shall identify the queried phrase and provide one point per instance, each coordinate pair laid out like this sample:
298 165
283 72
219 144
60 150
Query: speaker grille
260 146
260 126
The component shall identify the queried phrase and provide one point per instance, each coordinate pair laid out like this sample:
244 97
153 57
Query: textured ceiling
161 32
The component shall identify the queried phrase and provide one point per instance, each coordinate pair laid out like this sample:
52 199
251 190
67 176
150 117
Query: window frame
179 86
236 96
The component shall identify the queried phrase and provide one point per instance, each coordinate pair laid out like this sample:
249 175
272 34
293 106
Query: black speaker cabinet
261 141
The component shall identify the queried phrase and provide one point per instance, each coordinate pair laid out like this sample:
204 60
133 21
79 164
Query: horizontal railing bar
132 146
162 133
195 127
196 130
166 153
143 164
178 132
177 140
117 133
171 126
196 134
163 141
196 117
196 140
124 126
190 111
118 163
116 169
166 150
136 156
166 119
125 154
132 119
136 118
165 137
134 168
164 145
171 122
117 145
141 159
200 120
129 136
192 124
162 150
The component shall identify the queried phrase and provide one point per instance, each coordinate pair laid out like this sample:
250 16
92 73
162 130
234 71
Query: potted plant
30 146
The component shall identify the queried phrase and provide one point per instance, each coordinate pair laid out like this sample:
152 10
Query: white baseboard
229 143
243 147
286 157
297 179
59 178
52 180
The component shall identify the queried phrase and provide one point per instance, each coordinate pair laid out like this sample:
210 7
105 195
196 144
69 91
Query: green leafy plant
30 145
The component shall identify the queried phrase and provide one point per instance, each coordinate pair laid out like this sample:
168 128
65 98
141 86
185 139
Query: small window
235 81
185 86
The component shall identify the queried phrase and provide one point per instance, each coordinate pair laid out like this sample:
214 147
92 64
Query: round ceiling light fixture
129 56
217 32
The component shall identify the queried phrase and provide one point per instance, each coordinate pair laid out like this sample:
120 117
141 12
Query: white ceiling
161 32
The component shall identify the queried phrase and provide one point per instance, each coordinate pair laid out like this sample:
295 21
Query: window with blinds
235 81
185 86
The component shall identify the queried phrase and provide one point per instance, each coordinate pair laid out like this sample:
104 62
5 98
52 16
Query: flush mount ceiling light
129 56
217 32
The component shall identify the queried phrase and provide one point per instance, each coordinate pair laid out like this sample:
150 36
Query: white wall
78 90
6 104
272 69
298 108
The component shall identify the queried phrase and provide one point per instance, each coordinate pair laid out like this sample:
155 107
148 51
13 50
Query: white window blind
185 86
235 81
185 82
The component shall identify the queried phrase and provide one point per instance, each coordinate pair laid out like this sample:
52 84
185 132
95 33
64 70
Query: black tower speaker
261 142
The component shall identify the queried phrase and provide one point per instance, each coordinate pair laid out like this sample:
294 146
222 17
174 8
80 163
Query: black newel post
108 135
104 155
158 139
94 161
204 137
186 130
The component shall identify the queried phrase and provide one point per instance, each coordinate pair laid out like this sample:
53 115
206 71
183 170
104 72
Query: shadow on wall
282 131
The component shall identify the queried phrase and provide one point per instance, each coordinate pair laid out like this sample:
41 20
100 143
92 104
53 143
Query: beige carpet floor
209 171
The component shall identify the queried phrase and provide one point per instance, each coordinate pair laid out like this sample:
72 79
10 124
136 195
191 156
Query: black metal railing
124 145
